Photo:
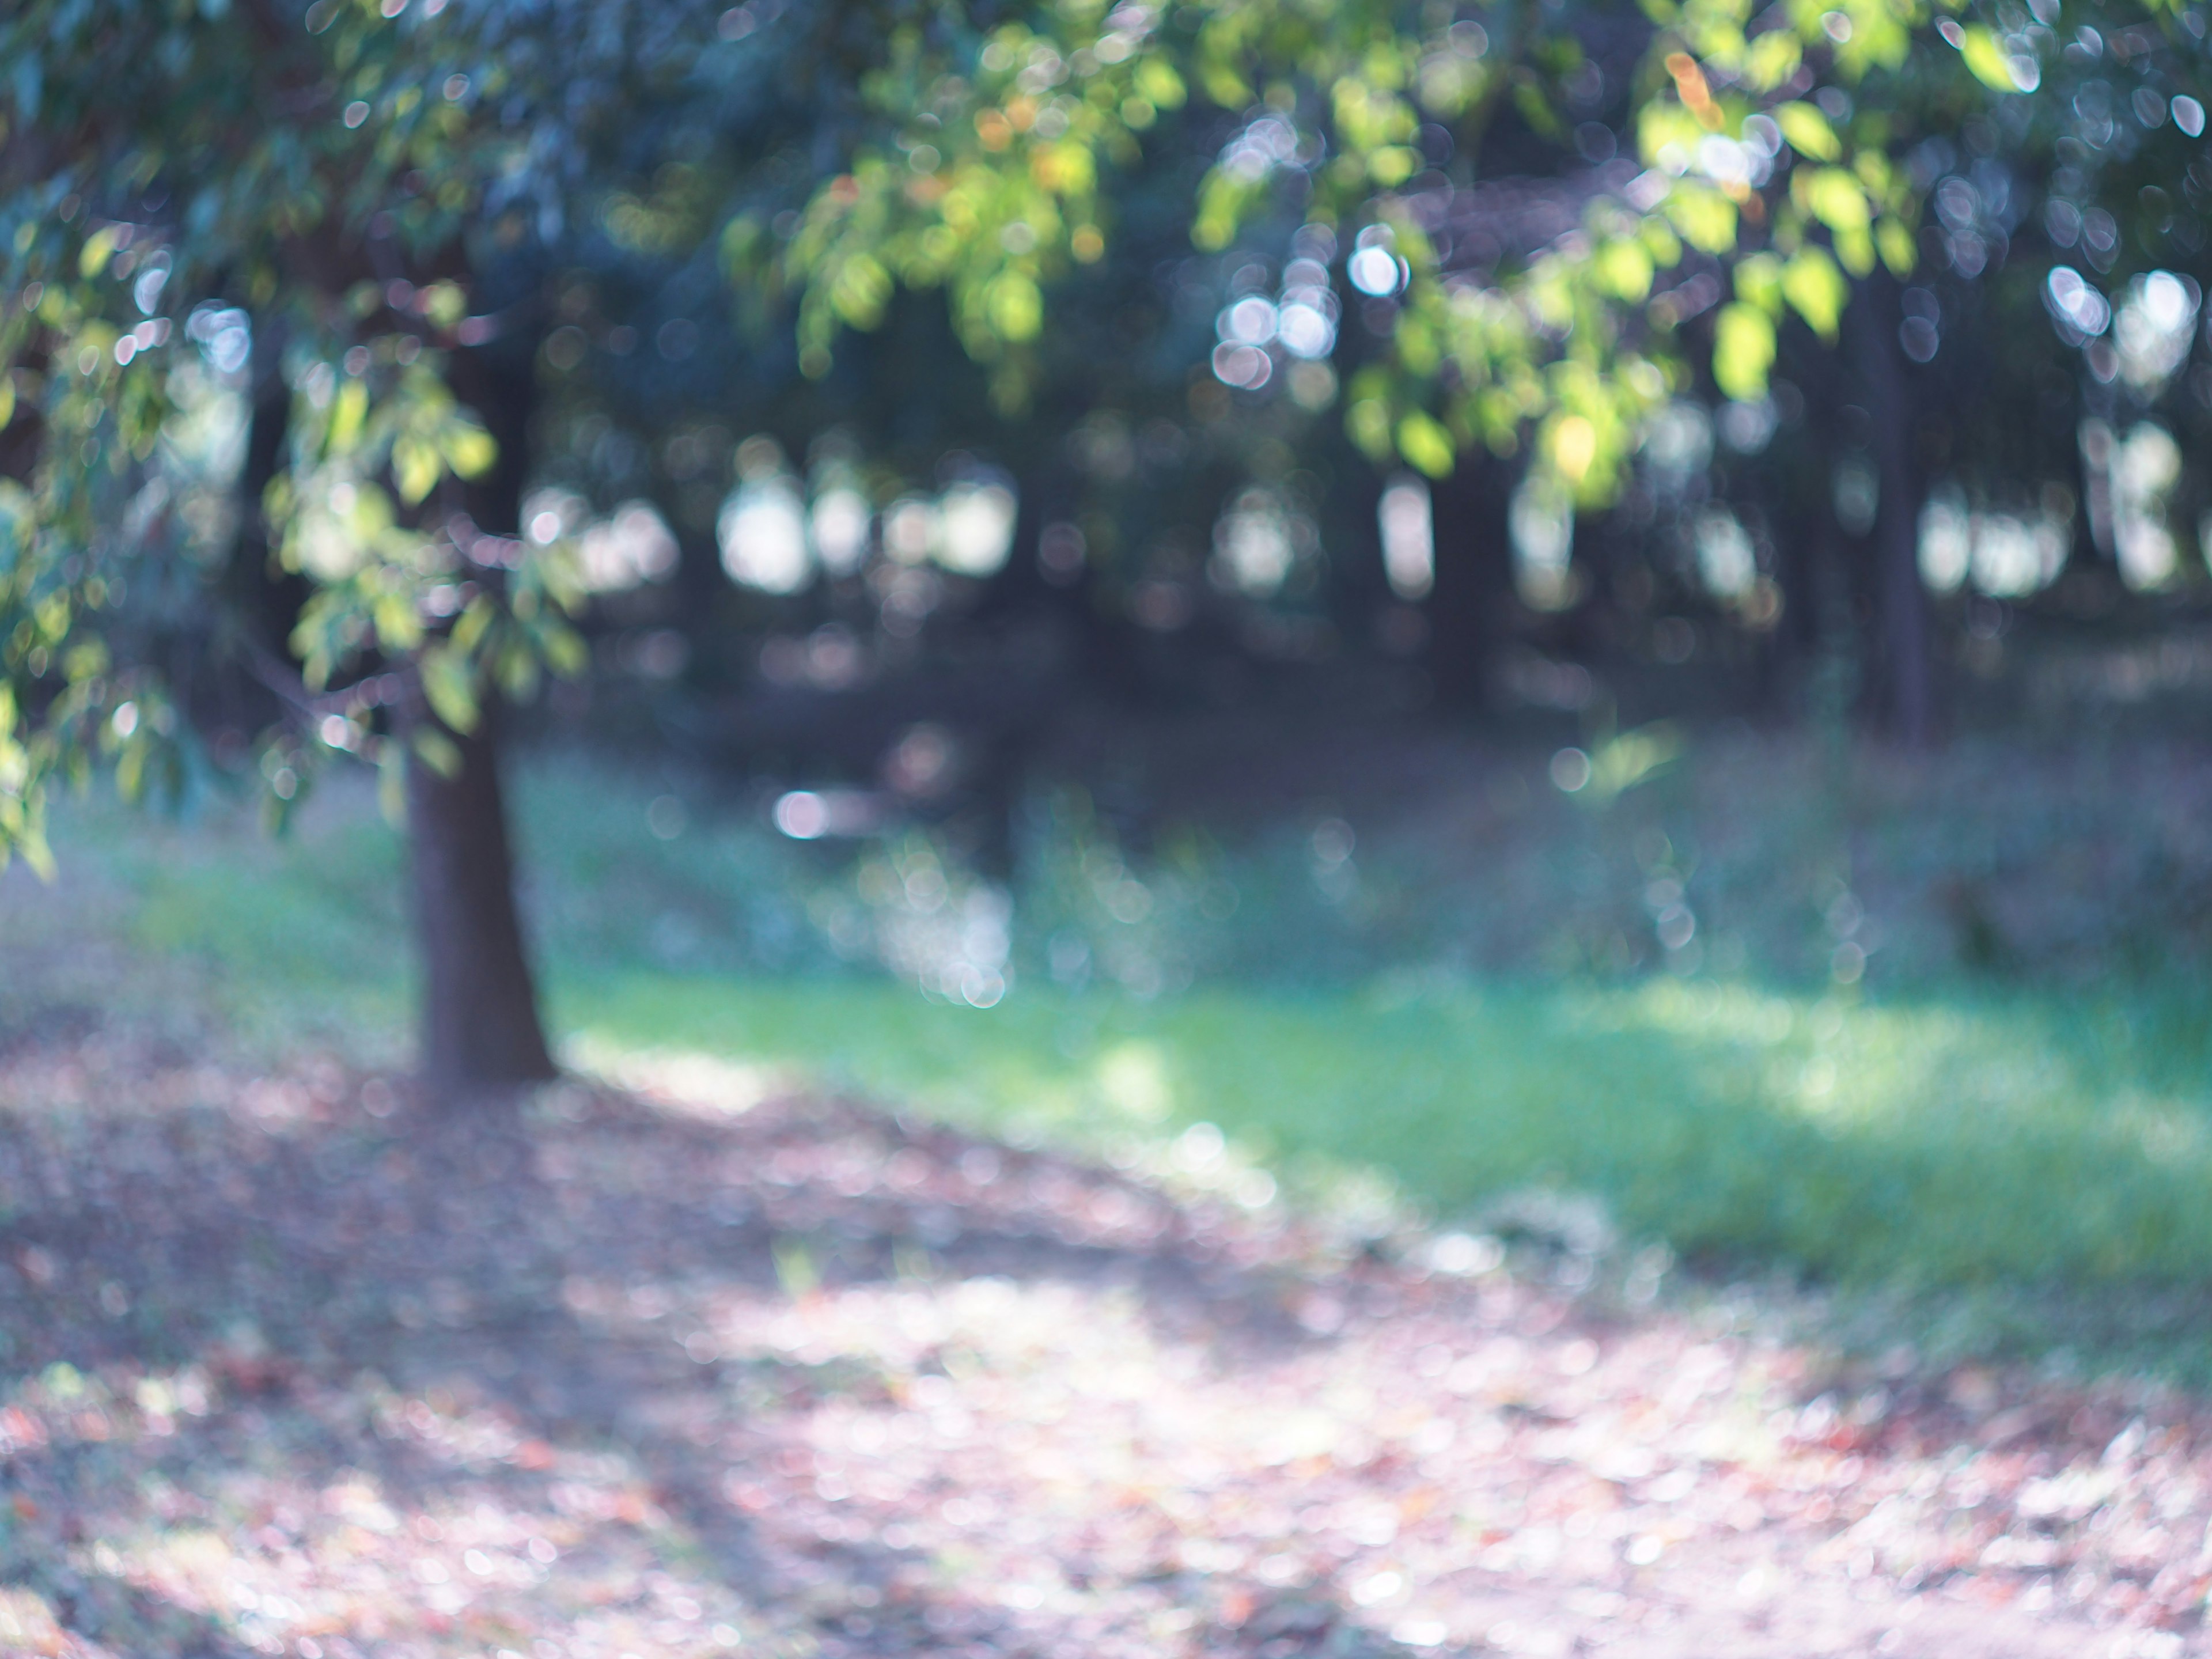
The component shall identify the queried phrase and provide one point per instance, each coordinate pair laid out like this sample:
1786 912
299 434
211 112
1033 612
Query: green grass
1955 1138
1961 1141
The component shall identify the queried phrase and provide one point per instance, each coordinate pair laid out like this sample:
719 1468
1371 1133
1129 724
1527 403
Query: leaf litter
689 1367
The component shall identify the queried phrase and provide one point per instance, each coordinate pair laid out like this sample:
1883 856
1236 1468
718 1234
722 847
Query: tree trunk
479 1016
1903 685
267 429
1471 607
265 598
480 1028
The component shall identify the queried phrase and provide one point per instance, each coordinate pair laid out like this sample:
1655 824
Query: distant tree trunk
1470 609
1019 588
2090 548
1902 682
480 1027
1801 519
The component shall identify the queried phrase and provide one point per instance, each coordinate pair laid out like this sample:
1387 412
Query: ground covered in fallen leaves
694 1366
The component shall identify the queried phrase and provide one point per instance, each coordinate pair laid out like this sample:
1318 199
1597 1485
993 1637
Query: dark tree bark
265 433
1802 518
1901 686
1471 607
1020 596
1771 493
25 435
480 1027
265 599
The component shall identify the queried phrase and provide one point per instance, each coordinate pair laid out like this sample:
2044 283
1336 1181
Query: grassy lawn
1954 1138
1948 1142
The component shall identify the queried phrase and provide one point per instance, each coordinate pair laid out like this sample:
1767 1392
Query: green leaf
1223 84
88 659
1393 164
1854 247
1368 423
99 248
1570 445
1015 306
450 684
1663 122
32 844
1837 199
1425 444
516 668
1812 283
566 654
1706 218
1158 83
475 621
415 468
438 752
470 450
398 624
443 304
1898 251
1807 130
349 412
1986 57
1743 351
1772 59
1622 763
1624 270
1759 281
1536 109
860 292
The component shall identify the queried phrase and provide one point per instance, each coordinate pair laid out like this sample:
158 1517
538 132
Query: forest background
1577 623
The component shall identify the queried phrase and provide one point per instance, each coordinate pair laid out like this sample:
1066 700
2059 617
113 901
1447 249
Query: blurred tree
362 202
1516 287
418 215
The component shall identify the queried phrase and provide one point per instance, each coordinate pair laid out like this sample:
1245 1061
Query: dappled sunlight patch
681 1078
1126 1106
27 1626
2168 1131
232 1531
1987 1131
1133 1079
965 1326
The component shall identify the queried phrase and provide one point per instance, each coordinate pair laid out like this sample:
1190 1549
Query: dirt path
290 1369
